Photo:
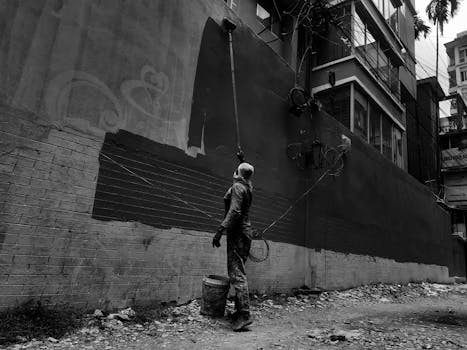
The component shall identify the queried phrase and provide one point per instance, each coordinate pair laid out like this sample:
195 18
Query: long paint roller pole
230 27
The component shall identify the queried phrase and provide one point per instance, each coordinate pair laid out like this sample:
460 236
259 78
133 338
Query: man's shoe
241 322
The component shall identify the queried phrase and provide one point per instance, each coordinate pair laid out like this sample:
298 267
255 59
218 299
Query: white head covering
245 170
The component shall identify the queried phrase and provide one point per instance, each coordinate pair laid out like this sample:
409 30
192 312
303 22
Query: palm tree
439 12
420 27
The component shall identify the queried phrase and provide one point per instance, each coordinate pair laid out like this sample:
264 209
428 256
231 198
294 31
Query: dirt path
429 323
358 319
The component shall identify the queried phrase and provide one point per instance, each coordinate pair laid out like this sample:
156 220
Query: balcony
354 37
383 16
373 53
389 12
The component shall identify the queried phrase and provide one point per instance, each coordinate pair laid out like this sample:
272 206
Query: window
388 11
464 74
268 18
336 43
263 16
452 61
359 34
360 116
394 78
370 122
386 127
336 102
462 54
371 51
397 147
383 66
452 79
375 126
464 94
392 16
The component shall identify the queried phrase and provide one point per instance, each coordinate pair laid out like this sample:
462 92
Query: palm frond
440 11
420 27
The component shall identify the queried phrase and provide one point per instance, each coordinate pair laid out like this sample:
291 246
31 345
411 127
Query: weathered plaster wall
51 247
328 269
104 65
84 79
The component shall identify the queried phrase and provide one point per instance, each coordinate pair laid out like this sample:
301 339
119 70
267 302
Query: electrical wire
161 188
371 61
338 163
433 69
331 170
277 10
434 47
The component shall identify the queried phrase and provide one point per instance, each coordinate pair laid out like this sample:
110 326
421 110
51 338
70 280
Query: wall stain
2 239
147 242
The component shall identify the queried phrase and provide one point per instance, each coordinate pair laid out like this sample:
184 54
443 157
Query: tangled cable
334 161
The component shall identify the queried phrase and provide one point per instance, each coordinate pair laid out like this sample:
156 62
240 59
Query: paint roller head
228 24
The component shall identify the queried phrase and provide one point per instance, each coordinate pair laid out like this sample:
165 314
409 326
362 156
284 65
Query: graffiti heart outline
155 85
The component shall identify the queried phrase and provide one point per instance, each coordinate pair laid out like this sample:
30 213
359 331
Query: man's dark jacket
237 202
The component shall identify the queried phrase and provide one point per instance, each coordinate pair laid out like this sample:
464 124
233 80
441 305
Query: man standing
237 226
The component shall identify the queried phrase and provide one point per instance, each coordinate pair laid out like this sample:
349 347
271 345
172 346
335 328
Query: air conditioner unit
460 235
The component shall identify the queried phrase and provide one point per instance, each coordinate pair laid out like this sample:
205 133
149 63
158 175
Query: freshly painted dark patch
213 68
374 208
176 178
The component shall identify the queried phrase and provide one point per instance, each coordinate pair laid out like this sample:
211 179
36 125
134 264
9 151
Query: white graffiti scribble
140 113
154 84
58 98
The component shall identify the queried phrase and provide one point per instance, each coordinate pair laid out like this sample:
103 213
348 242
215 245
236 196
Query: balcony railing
371 52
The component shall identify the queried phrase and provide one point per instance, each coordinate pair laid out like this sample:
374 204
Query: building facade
371 52
422 134
457 69
453 133
118 143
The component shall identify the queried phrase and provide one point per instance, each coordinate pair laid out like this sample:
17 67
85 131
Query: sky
425 49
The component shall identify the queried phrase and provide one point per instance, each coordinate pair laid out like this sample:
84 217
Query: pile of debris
186 322
386 293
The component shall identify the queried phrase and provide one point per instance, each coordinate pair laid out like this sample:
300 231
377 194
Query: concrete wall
421 135
374 208
94 92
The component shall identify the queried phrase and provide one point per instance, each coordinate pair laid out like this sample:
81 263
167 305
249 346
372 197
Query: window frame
374 57
389 134
462 54
463 74
274 25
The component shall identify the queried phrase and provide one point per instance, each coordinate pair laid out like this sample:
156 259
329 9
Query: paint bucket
215 291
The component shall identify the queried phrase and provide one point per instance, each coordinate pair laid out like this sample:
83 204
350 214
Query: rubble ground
412 316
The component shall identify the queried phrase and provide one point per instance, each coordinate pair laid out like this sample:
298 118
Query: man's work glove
216 241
